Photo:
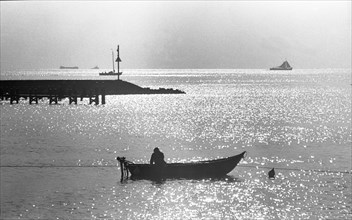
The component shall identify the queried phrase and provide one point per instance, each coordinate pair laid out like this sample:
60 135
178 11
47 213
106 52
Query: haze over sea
58 161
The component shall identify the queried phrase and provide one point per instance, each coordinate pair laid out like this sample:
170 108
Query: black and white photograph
236 110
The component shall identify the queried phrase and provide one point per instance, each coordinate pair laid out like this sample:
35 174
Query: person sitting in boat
157 157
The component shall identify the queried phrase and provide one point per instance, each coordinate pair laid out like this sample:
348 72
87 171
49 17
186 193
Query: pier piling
52 99
33 97
14 96
2 94
72 96
103 97
53 96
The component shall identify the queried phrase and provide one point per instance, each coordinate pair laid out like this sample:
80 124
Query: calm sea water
58 161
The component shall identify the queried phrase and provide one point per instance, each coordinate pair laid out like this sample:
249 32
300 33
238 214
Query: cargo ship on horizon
68 67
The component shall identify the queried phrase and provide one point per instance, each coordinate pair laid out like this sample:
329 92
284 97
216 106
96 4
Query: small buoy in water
271 174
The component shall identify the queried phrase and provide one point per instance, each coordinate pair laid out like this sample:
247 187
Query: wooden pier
56 90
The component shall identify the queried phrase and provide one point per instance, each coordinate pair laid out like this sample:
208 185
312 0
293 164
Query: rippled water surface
58 161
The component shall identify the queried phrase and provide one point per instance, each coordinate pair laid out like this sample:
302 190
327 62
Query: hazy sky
176 34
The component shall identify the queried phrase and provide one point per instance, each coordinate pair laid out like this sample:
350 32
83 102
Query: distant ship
96 67
284 66
68 67
118 60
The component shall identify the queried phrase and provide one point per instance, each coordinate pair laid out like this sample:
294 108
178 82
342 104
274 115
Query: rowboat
200 169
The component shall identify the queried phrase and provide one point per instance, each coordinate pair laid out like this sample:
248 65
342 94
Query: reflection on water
299 123
246 193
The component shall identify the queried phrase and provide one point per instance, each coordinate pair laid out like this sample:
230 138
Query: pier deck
59 89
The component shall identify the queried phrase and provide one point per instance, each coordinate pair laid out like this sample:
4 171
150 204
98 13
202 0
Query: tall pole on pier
118 60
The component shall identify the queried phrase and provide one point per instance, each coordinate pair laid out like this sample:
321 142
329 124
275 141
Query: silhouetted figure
271 174
157 157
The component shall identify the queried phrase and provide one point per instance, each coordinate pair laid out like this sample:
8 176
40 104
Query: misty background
176 34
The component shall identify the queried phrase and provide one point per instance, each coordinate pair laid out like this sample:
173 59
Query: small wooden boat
201 169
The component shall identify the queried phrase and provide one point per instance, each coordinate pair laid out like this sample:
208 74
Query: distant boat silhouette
68 67
96 67
284 66
111 73
118 60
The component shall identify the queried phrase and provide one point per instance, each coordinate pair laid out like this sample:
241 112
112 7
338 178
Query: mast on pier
113 61
118 60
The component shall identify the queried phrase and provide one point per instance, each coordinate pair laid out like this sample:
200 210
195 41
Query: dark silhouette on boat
284 66
157 158
194 170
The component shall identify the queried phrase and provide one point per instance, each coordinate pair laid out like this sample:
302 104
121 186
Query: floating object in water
271 174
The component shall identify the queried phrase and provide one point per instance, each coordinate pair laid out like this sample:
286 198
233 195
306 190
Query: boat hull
68 67
211 168
278 68
110 74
